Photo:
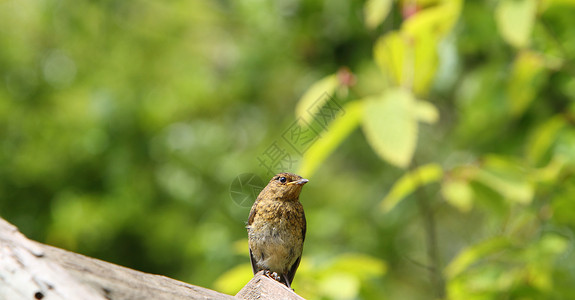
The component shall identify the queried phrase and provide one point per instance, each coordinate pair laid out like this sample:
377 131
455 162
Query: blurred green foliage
124 123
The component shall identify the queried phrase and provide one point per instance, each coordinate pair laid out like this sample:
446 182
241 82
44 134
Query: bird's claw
272 275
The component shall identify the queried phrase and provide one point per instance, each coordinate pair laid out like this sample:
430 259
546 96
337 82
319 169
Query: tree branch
31 270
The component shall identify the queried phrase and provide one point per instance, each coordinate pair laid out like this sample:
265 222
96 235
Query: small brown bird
276 228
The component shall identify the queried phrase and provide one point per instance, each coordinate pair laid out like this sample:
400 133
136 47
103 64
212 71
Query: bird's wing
291 273
253 261
252 212
304 228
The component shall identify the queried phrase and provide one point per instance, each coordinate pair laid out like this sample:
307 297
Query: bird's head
284 186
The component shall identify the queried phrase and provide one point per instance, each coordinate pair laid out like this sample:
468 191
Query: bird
276 228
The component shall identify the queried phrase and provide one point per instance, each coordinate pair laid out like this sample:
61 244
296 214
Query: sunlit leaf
458 193
360 265
343 274
375 12
233 280
564 145
475 253
337 131
539 276
426 112
522 87
549 172
390 53
410 182
485 281
506 178
409 57
543 137
542 254
390 125
424 65
564 207
340 286
552 244
422 33
409 61
435 21
343 277
240 247
315 97
515 20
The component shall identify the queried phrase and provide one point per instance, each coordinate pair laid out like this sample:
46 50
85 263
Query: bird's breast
282 227
275 235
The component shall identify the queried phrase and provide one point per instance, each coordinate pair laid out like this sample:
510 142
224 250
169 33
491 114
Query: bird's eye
282 179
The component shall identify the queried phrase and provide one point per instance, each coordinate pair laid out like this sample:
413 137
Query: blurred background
438 139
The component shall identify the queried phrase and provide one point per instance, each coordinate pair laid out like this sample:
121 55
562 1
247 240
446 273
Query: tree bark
263 287
31 270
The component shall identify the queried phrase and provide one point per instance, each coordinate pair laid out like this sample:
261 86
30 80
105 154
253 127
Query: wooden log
263 287
31 270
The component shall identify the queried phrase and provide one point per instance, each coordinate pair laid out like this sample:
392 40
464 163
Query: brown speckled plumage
277 226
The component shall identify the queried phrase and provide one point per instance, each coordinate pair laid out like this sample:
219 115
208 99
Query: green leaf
240 247
340 286
426 112
390 52
390 125
458 193
507 178
549 173
515 20
522 87
472 254
422 34
563 207
375 12
409 182
409 57
343 278
564 145
359 265
233 280
337 131
410 62
424 64
436 21
315 97
553 244
543 137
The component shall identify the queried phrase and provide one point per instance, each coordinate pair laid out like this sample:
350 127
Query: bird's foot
272 275
275 276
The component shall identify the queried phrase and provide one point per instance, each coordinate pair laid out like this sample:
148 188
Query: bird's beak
299 182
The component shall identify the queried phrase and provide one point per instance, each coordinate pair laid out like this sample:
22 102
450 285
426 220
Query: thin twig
435 266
